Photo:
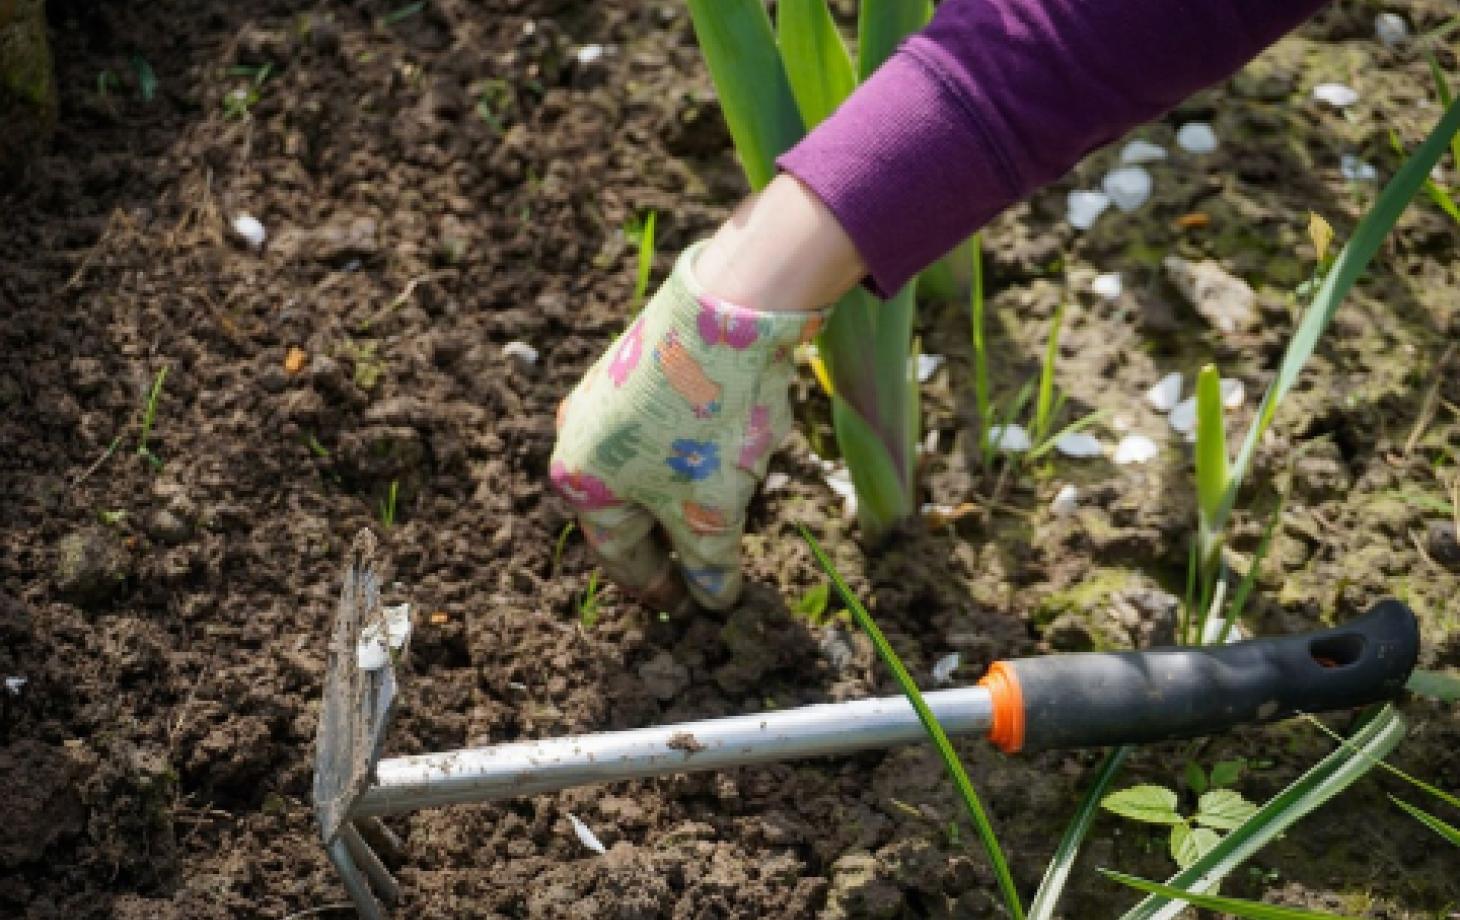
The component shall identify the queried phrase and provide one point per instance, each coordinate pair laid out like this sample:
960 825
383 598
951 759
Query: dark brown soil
442 183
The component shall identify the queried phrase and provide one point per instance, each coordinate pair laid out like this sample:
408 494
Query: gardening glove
670 431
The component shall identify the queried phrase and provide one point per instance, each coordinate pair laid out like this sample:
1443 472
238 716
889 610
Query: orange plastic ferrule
1007 731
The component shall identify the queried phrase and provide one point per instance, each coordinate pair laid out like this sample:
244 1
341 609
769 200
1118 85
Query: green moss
1086 597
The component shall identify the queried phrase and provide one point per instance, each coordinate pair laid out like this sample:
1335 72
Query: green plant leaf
930 723
1437 685
881 24
1375 739
1043 415
1442 89
1227 772
1224 809
1057 872
645 265
812 604
1449 832
1196 777
1188 844
817 63
1151 804
1348 266
1255 910
755 95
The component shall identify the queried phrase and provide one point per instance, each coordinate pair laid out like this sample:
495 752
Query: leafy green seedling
588 602
387 506
493 99
1191 838
812 605
149 415
238 101
316 448
112 518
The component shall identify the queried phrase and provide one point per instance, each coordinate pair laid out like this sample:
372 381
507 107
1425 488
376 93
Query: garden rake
1060 701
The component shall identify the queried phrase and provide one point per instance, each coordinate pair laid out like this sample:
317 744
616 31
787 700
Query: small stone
1356 170
90 567
1391 29
1135 448
836 647
166 527
1336 94
1164 396
1128 187
1083 207
1196 137
346 240
1222 299
1443 545
250 230
1139 151
15 684
1013 439
1066 501
1107 285
664 677
1079 444
944 667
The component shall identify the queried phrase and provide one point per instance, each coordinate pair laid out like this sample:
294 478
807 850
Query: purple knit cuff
901 170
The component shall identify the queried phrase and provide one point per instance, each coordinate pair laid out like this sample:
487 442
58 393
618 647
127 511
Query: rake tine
382 839
355 884
383 882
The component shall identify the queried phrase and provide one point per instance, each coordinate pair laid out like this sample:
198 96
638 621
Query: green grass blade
1238 907
646 258
1442 89
1347 267
1058 870
980 348
881 24
1372 742
1448 831
1075 427
930 724
1437 685
1442 795
817 63
1244 588
755 95
1042 405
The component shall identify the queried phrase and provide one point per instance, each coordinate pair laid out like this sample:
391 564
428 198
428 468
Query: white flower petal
586 836
1234 393
775 482
250 230
1128 187
1135 448
928 366
1356 170
1196 137
1107 285
1079 444
1011 438
944 667
1336 94
1082 208
1183 417
589 53
1138 151
1066 501
520 350
1164 396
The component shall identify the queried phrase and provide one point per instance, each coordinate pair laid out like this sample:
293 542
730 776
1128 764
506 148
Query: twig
310 912
1427 408
406 293
111 449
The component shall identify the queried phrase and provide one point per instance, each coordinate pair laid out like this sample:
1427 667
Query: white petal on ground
1128 187
1082 208
928 366
775 482
944 667
250 230
1213 630
1079 444
520 350
839 480
1183 416
1164 396
930 441
1391 29
1336 94
1196 137
585 836
1356 170
1139 151
589 53
1011 438
1234 393
1107 285
1066 501
14 685
1135 448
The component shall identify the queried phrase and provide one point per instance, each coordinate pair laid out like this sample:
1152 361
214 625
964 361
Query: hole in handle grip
1337 651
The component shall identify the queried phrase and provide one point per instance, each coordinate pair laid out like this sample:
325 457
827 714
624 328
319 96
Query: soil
440 180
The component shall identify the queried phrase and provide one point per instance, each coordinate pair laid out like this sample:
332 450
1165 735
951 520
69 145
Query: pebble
1079 444
1066 501
928 366
1107 285
1083 207
775 482
250 230
1164 396
1336 94
1011 438
1443 545
15 684
664 677
944 667
1128 187
1135 448
1356 170
1391 29
1139 151
1196 137
589 53
586 836
1221 298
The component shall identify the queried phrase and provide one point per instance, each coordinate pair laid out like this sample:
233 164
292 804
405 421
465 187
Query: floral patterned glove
669 433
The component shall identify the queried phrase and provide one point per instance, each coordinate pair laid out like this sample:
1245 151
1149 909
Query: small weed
641 234
316 448
387 506
588 602
561 544
149 415
238 102
812 605
112 518
1218 809
494 98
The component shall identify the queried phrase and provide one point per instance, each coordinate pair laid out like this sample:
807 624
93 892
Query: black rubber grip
1098 698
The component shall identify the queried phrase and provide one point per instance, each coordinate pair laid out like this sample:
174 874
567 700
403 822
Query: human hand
663 442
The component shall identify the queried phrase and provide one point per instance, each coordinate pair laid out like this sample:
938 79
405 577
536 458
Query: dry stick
310 912
111 449
1424 554
1431 402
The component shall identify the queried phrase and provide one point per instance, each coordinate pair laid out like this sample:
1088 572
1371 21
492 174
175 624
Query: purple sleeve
998 97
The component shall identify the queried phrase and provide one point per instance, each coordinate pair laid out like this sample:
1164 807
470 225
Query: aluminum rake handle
488 774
